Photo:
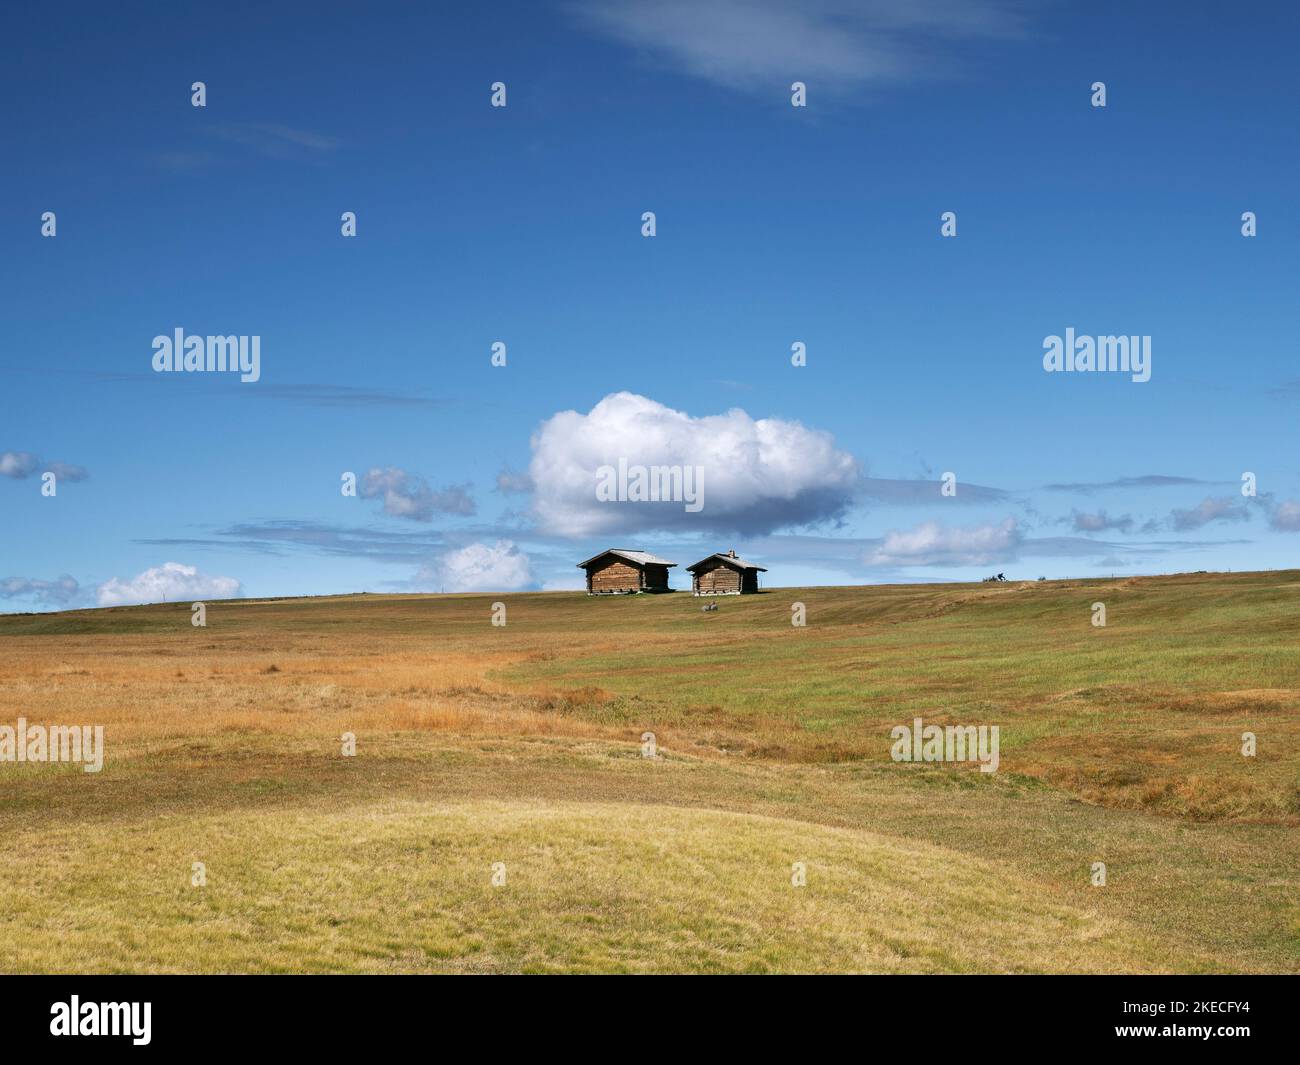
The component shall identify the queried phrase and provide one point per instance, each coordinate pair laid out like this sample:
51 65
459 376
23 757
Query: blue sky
522 224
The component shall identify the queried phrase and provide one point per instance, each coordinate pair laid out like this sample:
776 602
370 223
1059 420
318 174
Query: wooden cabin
724 575
620 571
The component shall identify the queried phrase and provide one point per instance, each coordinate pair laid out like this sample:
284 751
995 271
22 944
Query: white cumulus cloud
171 582
756 475
932 544
499 567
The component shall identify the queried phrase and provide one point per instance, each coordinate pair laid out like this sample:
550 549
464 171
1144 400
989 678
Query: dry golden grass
1119 745
587 887
1147 713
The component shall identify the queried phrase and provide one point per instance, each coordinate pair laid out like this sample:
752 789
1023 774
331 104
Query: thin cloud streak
832 45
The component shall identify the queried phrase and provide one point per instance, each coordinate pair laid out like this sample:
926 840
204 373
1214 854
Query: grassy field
515 752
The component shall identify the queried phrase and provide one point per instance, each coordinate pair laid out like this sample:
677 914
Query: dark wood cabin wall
720 579
614 576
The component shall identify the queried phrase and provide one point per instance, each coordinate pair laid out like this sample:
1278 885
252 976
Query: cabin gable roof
729 558
637 558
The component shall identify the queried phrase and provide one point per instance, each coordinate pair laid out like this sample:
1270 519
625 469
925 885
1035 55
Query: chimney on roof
732 553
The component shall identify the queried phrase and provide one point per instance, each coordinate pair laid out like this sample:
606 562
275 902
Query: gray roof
640 558
732 560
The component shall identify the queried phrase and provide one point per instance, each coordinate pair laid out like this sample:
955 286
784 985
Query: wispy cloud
1210 509
1148 480
832 45
344 396
1286 517
1099 521
182 161
933 544
276 141
408 495
60 592
19 465
513 481
279 537
921 492
271 140
1086 547
318 395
